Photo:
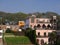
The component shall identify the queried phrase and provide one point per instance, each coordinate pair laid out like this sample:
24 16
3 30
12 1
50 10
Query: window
48 26
42 41
37 40
43 26
37 21
54 20
44 33
43 21
38 33
30 25
38 26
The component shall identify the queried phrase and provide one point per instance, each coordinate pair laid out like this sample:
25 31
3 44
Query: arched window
37 40
48 26
42 42
38 33
34 27
43 26
37 21
44 33
38 26
54 20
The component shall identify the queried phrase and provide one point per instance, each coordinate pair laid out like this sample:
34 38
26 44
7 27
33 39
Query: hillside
15 17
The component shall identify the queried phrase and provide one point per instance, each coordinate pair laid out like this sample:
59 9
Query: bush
8 30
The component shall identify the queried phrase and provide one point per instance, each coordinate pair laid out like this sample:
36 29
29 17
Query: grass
8 35
17 40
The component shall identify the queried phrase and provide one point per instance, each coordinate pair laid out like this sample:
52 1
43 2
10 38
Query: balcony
41 27
42 36
44 28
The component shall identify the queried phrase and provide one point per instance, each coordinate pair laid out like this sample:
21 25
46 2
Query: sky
30 6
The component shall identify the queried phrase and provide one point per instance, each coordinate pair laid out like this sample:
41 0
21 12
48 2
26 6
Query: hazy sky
28 6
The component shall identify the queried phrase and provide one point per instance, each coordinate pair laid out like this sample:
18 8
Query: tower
54 22
32 21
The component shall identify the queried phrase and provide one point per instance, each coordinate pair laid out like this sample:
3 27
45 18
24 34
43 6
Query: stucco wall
42 32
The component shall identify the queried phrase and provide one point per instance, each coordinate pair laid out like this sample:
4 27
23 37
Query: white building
43 27
1 33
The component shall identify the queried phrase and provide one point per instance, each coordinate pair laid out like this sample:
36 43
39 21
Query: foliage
45 44
8 30
31 34
12 16
58 40
52 38
15 17
22 16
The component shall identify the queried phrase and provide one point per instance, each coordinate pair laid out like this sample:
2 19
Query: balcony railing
43 28
42 36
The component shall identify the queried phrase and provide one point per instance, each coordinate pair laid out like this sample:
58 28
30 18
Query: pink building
43 28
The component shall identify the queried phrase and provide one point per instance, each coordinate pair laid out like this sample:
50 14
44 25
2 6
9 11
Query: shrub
9 30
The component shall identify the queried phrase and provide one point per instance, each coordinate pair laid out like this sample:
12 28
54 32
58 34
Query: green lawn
9 35
17 40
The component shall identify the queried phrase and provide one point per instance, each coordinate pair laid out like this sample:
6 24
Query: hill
15 17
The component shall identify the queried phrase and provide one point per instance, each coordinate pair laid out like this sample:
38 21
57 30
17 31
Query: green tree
52 38
32 35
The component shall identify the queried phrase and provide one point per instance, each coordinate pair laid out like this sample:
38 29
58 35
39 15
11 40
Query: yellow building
21 23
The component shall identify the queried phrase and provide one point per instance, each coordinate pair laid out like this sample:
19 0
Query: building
1 33
43 26
13 27
21 24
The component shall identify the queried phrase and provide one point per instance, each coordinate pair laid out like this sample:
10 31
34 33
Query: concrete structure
1 33
43 35
12 27
1 36
43 27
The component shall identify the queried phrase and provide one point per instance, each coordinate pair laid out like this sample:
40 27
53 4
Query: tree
52 38
32 35
45 44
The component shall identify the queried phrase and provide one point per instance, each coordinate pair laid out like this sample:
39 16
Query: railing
41 36
44 28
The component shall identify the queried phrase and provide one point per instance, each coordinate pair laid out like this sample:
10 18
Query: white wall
1 33
42 32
